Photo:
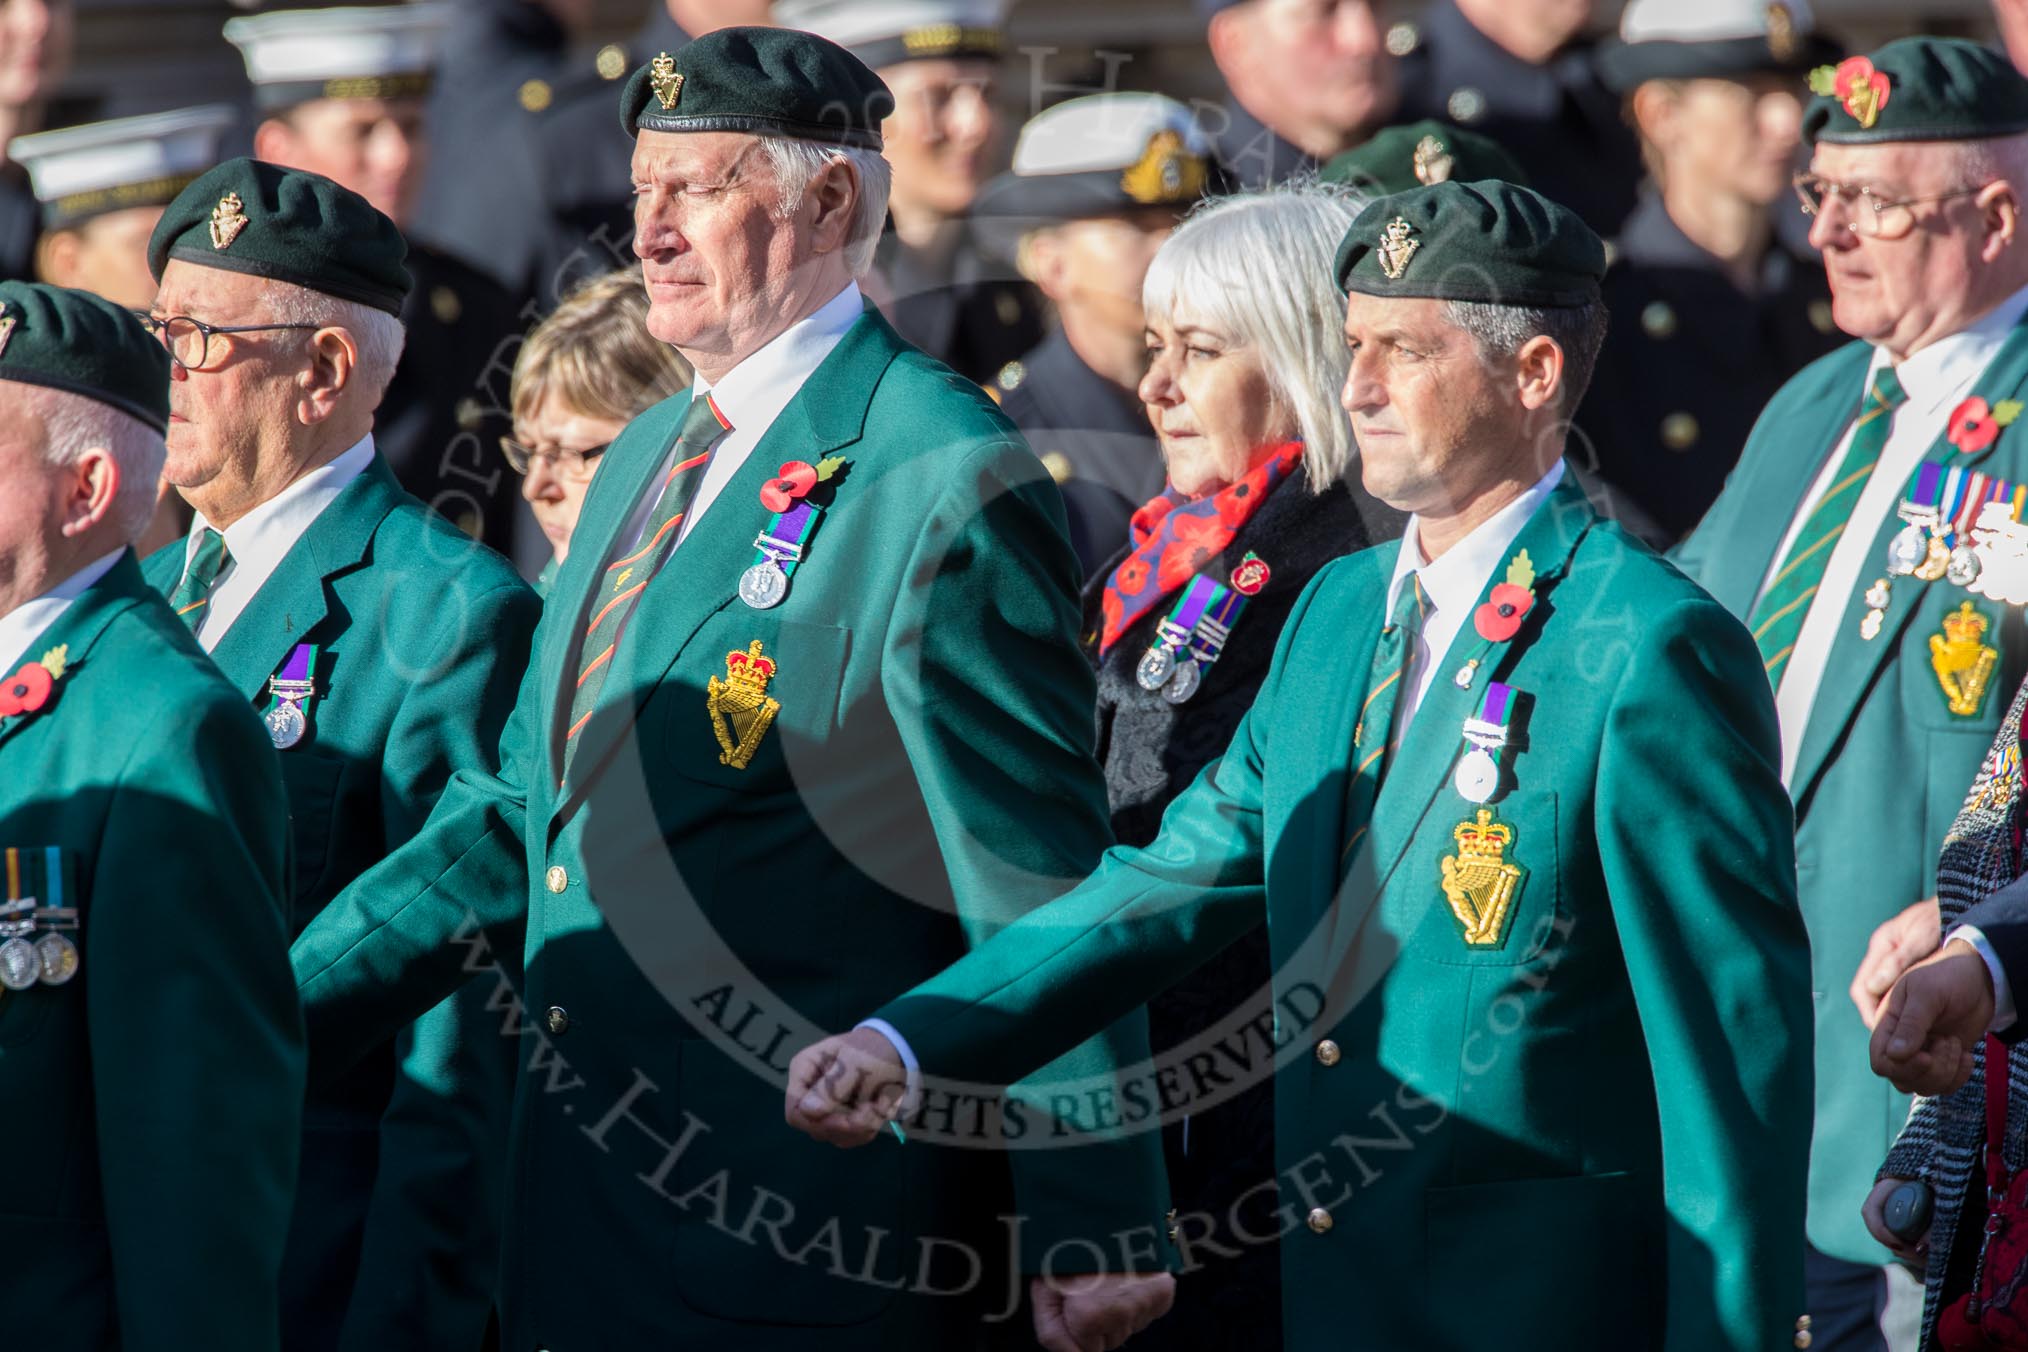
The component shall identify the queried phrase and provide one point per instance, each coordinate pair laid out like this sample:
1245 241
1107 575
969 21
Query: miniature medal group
35 931
1194 633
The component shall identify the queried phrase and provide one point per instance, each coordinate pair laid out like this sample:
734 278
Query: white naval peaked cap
1715 39
1103 132
83 171
885 32
1711 20
359 52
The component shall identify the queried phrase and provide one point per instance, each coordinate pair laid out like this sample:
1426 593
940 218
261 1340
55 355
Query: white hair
1982 161
73 424
1259 267
378 335
797 163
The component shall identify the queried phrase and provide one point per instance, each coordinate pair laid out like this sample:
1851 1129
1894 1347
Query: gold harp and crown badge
1480 882
663 79
741 711
228 218
1166 172
1963 660
1433 163
1396 248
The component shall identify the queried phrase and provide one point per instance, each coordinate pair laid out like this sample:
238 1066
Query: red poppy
1147 518
1132 575
1500 618
796 481
1973 427
26 690
1250 576
1862 89
1110 612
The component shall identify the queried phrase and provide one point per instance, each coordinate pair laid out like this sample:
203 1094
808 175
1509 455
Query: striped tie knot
193 590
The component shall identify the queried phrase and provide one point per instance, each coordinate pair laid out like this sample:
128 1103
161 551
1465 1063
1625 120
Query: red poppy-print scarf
1174 538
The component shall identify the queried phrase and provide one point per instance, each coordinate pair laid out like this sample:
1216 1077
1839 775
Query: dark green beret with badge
767 81
80 343
1488 243
288 226
1917 89
1418 154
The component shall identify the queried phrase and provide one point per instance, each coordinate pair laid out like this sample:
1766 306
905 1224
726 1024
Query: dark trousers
1846 1301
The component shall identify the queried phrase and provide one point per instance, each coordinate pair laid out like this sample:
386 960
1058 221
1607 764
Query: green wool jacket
1884 764
1589 1135
690 923
152 1105
423 636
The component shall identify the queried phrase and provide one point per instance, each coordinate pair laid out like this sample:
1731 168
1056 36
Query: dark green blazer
1590 1135
152 1105
1884 763
423 636
928 777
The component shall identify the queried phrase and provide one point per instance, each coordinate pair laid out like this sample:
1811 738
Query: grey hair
379 336
797 163
1259 267
1498 331
1981 162
73 424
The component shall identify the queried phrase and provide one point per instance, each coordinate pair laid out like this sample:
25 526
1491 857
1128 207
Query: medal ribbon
295 675
1927 489
787 532
1206 603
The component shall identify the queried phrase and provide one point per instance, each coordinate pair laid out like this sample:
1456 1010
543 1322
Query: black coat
970 311
1151 750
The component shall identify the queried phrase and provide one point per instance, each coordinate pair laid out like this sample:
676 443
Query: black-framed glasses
189 340
563 461
1868 213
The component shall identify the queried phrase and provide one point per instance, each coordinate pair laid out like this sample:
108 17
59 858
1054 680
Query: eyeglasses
1867 213
189 340
567 464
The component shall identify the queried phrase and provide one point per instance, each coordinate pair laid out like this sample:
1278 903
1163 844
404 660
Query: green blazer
1884 763
1589 1135
151 1106
689 924
422 638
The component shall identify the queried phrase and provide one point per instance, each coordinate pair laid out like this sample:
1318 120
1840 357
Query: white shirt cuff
908 1061
2003 995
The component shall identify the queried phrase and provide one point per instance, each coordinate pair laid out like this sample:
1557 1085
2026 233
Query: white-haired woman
1246 357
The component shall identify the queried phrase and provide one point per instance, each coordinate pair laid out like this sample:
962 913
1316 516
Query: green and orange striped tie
1374 740
1778 615
193 590
625 578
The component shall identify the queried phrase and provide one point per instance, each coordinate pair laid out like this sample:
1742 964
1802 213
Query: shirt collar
259 539
753 393
20 627
1942 371
1453 583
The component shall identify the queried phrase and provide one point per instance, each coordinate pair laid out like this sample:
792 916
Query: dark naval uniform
20 223
1252 156
1091 435
970 313
1559 121
1689 363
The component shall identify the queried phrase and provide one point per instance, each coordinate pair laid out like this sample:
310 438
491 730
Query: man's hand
1931 1020
847 1088
1916 1255
1098 1313
1896 946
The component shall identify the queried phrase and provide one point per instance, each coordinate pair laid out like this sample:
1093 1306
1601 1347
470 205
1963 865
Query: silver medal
1157 665
1964 567
1478 776
20 964
59 957
1906 550
764 585
286 724
1183 682
1878 595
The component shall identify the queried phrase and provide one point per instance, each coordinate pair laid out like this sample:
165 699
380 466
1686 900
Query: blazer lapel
1735 581
1854 663
702 576
1422 765
78 629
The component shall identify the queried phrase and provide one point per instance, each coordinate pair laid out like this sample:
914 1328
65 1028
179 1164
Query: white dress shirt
751 396
1451 588
1936 379
21 626
256 543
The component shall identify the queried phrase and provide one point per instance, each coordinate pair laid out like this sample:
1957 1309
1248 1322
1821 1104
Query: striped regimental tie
193 591
1374 740
1778 615
704 427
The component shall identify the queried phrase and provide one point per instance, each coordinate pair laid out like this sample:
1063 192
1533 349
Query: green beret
288 226
1917 89
1417 154
1488 242
82 343
769 81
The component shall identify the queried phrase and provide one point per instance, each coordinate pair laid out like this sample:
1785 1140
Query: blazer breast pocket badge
740 707
1962 660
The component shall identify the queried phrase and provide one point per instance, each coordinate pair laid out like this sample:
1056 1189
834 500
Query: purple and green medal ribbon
296 672
1203 599
1496 708
787 532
